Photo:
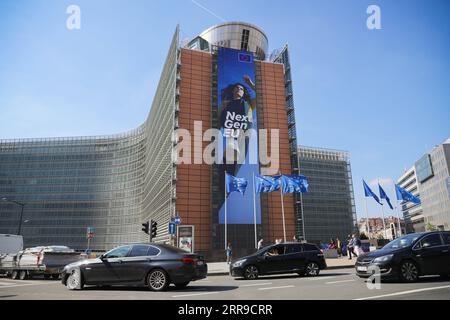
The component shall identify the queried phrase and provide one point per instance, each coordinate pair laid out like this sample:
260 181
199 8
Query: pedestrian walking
349 247
357 249
338 247
229 253
260 244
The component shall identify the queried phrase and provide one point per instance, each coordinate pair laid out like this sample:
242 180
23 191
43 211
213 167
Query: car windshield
402 242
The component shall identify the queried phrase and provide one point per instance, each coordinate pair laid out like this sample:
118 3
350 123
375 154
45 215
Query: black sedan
409 257
301 258
152 265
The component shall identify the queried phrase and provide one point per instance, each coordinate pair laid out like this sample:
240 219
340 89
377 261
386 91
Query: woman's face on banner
238 92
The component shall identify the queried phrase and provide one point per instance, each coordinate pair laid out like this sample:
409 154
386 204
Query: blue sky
383 95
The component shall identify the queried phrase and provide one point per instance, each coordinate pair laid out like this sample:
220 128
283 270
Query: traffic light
145 227
154 229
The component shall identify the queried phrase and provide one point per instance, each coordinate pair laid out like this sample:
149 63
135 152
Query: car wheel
23 275
251 273
157 280
409 271
312 269
181 285
15 275
75 281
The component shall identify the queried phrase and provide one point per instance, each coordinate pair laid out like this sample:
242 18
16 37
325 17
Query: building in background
412 213
329 206
115 183
429 179
376 227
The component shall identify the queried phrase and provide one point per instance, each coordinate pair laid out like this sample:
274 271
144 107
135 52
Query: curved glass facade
112 183
240 36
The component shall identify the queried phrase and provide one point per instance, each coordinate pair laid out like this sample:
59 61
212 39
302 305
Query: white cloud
383 182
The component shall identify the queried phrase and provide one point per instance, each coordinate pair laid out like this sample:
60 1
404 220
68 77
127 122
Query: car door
106 269
429 252
136 265
446 251
295 258
276 263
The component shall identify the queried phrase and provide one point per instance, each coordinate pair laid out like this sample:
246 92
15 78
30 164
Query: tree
430 227
363 236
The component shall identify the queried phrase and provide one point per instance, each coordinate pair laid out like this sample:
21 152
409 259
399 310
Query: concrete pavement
222 268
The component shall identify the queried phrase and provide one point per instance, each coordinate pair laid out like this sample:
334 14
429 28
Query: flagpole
254 211
282 207
382 213
303 219
367 219
384 223
226 239
398 222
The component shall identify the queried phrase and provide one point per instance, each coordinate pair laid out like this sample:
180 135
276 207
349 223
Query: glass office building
429 180
115 183
329 206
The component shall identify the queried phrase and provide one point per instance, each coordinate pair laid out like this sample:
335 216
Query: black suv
408 257
302 258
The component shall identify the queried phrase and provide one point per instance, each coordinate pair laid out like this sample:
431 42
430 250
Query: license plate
364 269
200 263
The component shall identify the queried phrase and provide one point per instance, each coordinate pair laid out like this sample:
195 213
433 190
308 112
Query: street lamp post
21 212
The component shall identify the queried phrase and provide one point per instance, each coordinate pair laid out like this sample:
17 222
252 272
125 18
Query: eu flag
383 195
404 195
265 184
295 184
369 193
236 184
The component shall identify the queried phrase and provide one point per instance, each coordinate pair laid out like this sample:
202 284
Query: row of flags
402 195
267 184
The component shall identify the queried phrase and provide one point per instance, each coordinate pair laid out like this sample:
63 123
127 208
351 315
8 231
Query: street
330 285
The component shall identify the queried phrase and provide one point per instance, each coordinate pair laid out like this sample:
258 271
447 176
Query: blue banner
404 195
384 196
236 184
238 122
369 193
295 184
266 184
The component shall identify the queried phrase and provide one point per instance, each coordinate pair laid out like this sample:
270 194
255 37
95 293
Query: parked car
409 257
152 265
301 258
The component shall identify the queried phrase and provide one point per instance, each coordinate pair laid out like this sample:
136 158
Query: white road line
194 294
403 293
273 288
257 284
321 278
340 281
17 285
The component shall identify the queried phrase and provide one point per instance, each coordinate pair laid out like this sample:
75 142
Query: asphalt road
330 285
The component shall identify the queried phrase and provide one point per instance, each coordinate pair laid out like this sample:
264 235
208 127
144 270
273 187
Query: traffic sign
90 233
172 228
177 220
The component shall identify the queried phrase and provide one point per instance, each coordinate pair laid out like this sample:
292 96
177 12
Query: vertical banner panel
239 126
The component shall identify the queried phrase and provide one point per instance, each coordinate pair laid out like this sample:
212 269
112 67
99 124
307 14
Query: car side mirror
426 245
102 257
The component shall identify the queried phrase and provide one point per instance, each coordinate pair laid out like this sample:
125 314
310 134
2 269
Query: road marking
257 284
403 293
340 281
273 288
322 278
194 294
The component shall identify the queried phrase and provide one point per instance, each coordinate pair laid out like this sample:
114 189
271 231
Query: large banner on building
239 126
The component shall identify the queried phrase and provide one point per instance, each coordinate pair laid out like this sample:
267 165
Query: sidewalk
222 268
